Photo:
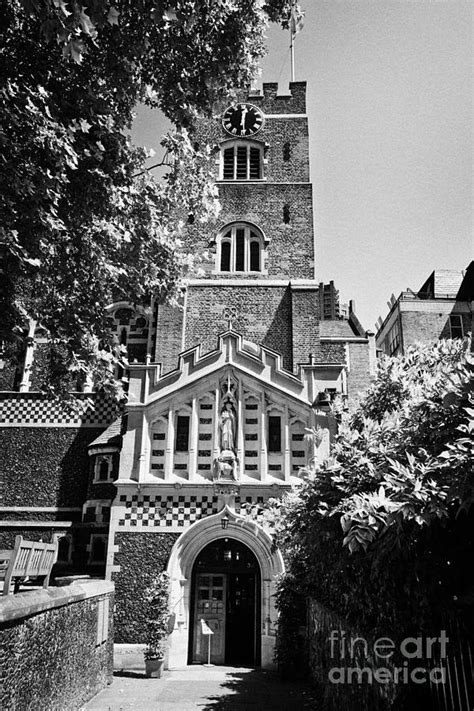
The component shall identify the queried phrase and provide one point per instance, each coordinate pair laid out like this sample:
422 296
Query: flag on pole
205 629
296 20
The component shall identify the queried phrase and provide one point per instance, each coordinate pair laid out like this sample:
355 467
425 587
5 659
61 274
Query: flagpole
292 54
293 31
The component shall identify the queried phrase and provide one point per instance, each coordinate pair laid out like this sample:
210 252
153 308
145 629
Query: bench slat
29 559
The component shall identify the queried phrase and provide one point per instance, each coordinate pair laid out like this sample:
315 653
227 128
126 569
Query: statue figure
222 469
225 467
227 428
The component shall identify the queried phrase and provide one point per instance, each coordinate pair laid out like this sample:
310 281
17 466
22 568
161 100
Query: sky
389 102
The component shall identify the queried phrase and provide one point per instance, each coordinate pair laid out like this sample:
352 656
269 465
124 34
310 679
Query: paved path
206 689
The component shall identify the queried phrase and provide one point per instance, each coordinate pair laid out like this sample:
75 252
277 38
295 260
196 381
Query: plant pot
154 667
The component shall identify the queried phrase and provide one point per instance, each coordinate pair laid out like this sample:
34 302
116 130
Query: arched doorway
225 597
180 567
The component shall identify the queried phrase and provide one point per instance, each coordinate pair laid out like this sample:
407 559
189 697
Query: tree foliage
383 532
81 223
157 602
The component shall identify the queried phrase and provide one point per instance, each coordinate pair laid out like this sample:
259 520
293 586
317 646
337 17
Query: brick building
441 308
220 393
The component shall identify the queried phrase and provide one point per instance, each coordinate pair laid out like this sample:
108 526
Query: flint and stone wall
141 557
57 646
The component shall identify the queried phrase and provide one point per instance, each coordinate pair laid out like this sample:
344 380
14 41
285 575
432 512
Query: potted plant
158 618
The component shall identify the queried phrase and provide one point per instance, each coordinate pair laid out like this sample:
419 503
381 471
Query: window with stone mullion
240 250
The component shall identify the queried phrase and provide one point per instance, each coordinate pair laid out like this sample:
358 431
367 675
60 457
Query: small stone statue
227 428
225 466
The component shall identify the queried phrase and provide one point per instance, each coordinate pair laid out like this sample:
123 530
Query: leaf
112 16
61 5
86 23
75 48
170 15
346 523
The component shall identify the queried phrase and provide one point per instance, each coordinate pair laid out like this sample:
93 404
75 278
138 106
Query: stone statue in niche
225 465
227 426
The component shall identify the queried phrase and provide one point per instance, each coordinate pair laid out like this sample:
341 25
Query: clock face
242 120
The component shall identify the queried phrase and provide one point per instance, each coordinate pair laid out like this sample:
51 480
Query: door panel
210 607
240 619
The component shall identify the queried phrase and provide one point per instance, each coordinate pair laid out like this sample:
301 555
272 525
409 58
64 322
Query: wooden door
210 607
240 643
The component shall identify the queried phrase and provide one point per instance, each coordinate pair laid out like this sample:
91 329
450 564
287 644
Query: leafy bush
382 533
158 614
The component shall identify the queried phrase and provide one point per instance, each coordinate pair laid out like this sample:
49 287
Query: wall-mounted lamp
225 522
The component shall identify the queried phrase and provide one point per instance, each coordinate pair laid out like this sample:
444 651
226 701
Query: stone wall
428 326
290 166
272 102
57 646
305 312
141 557
359 376
263 315
169 334
45 466
290 250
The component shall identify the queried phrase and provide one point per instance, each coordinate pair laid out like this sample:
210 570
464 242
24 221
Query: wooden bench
28 559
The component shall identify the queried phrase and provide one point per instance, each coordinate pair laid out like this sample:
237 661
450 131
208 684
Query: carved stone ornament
226 490
225 467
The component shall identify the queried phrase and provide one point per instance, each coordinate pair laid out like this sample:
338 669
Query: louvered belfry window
242 161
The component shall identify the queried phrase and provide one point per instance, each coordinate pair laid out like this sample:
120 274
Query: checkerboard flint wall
37 410
175 512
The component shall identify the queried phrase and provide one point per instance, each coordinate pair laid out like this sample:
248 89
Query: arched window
240 249
103 468
241 160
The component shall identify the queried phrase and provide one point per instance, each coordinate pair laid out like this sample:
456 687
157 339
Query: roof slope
112 436
442 283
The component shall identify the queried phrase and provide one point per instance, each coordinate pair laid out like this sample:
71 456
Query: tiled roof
112 436
336 329
447 282
442 283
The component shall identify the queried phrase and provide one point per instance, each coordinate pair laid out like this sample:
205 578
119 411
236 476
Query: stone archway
180 566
